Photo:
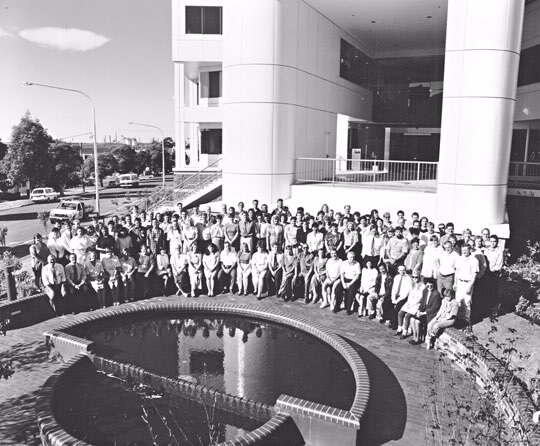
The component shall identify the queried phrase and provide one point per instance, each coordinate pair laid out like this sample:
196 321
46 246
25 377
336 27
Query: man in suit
54 279
75 285
431 302
379 303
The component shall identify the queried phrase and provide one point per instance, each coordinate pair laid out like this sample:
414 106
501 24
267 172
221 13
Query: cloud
64 39
4 33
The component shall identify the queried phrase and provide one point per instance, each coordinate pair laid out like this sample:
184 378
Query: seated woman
259 269
244 270
211 267
163 268
431 302
446 317
367 288
319 276
410 311
195 270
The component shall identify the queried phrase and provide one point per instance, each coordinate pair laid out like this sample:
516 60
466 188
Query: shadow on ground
18 421
386 415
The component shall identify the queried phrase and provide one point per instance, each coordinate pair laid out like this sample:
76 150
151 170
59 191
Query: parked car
129 180
146 176
69 209
112 181
41 194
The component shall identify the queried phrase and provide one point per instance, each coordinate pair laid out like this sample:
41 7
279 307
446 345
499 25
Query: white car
129 180
44 194
69 209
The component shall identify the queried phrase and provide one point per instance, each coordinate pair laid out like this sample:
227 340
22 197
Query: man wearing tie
75 285
53 278
400 292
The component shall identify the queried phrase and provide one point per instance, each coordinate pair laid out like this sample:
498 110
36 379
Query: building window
211 141
355 66
210 84
204 20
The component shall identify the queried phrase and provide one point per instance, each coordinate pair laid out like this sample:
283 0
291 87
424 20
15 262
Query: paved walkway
400 374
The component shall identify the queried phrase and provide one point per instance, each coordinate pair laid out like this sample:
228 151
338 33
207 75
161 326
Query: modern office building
417 104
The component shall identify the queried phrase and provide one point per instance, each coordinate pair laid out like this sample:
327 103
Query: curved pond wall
318 424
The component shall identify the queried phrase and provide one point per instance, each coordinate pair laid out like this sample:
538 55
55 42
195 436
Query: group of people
406 272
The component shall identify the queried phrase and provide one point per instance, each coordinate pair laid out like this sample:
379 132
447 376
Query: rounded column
258 122
483 43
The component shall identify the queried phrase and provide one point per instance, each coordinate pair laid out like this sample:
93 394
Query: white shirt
228 258
315 241
447 263
350 270
401 291
333 268
369 277
412 306
467 268
430 265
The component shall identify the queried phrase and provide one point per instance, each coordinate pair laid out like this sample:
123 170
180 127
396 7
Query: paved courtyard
399 373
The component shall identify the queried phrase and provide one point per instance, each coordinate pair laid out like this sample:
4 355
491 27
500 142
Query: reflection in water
254 359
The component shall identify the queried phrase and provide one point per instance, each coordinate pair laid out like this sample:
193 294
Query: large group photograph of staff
413 275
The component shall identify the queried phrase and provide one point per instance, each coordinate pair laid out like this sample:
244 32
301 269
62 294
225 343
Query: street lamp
96 170
162 146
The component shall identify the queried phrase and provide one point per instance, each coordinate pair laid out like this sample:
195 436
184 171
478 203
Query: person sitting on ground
446 317
75 285
54 279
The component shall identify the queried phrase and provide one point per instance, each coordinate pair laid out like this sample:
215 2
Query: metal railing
189 185
372 173
526 175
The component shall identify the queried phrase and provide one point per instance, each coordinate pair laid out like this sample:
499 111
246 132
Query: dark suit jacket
433 304
387 285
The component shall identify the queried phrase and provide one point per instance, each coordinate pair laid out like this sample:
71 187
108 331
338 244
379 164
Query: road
22 222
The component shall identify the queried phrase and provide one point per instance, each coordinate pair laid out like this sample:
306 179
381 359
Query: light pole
162 146
96 170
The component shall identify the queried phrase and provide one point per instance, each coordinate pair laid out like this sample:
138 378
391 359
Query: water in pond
251 358
105 411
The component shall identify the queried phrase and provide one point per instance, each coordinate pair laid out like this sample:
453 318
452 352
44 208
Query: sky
117 51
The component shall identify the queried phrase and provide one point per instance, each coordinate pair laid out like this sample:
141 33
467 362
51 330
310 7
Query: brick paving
399 373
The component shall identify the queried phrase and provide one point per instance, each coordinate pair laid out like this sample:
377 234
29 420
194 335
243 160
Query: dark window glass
211 141
193 20
355 66
212 20
534 145
529 66
519 139
214 78
204 20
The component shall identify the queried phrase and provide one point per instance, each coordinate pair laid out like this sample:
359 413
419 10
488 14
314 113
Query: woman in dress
319 275
367 287
259 269
244 270
211 268
195 270
163 269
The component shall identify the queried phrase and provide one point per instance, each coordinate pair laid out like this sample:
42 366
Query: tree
4 184
27 157
142 161
155 152
107 165
126 157
67 164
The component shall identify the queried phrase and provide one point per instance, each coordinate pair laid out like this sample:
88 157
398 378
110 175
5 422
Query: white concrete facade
283 96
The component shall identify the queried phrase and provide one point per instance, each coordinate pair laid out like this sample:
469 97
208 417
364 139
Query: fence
372 173
524 175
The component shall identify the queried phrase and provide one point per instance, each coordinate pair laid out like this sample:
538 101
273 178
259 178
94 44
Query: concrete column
483 42
179 149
